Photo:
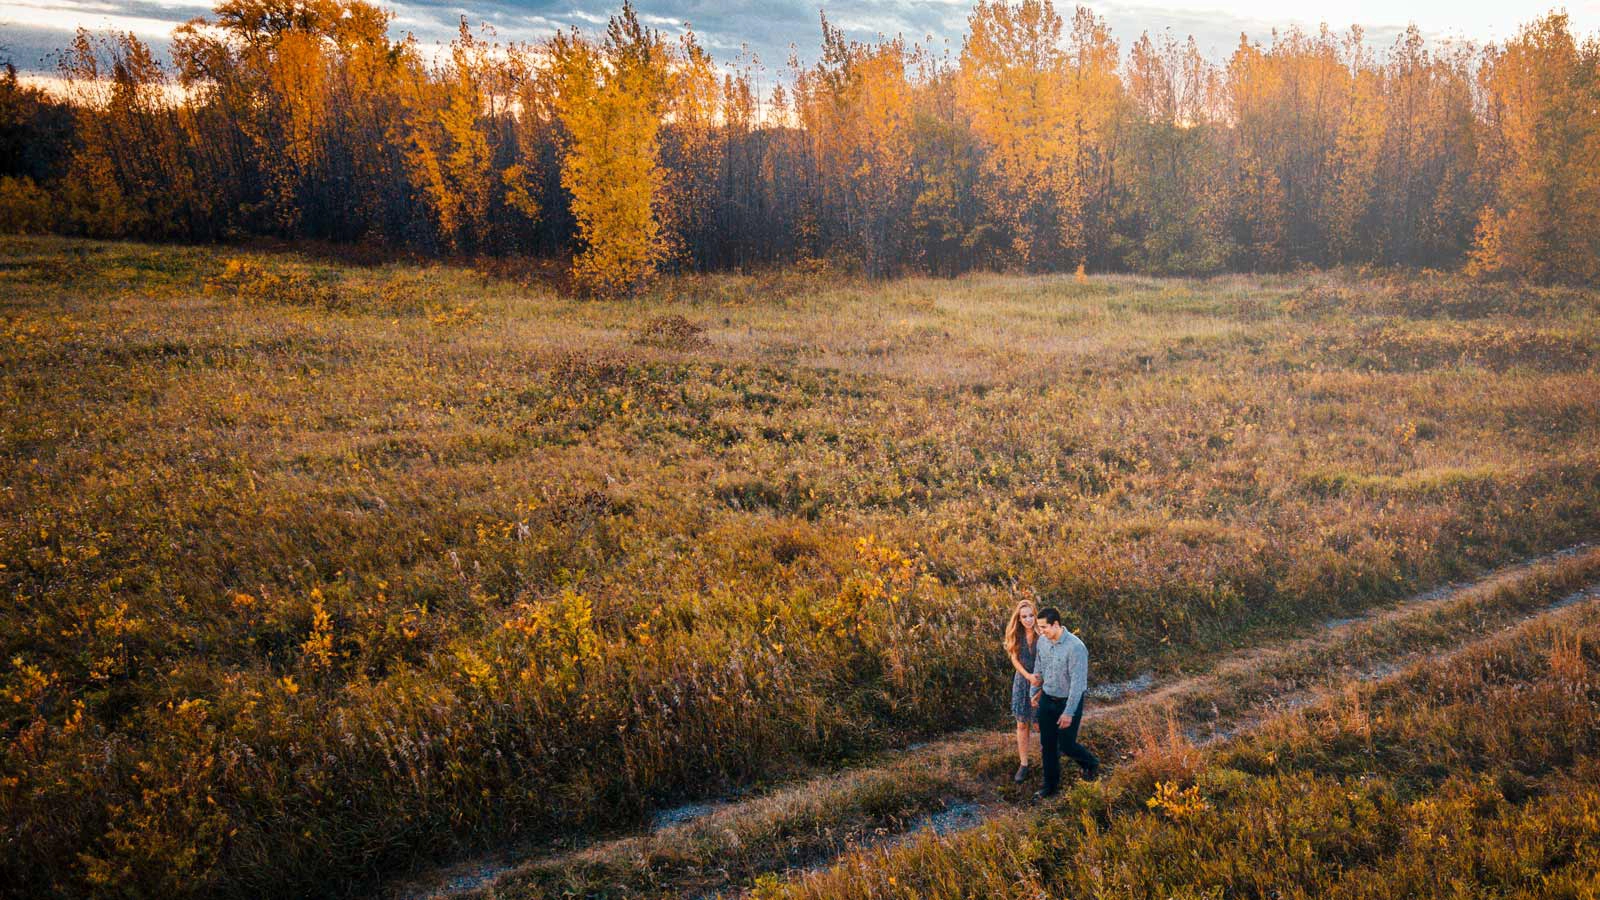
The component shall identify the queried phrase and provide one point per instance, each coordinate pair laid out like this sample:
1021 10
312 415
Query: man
1063 664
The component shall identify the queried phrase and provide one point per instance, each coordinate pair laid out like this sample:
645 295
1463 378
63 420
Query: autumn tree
1169 219
1355 187
460 145
1285 104
693 146
1097 110
753 209
1015 84
1427 189
951 228
127 173
33 124
272 89
1543 96
854 106
1401 188
610 98
1036 146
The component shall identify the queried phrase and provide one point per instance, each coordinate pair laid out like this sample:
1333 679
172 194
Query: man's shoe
1091 774
1022 774
1044 795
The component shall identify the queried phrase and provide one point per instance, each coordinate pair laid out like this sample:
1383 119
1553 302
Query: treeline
1040 146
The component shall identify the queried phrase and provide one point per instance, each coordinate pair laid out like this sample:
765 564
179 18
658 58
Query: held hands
1033 700
1036 680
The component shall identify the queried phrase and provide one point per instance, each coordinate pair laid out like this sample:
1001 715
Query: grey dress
1021 709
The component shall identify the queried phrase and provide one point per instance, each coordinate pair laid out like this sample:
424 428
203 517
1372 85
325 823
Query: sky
31 30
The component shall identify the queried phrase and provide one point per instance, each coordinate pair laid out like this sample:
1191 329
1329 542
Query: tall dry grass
317 572
1471 776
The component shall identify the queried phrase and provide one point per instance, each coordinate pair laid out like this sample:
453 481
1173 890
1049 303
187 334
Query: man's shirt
1064 666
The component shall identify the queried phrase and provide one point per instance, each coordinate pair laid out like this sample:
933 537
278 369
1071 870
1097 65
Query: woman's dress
1021 709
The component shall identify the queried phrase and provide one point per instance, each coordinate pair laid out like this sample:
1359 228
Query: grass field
1474 775
853 833
318 574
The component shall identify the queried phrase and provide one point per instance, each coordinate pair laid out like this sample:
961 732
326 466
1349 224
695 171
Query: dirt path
963 780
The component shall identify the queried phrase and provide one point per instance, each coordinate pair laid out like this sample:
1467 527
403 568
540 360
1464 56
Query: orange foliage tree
855 107
1543 97
1038 146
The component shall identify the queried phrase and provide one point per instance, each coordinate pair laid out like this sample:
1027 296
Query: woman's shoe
1022 774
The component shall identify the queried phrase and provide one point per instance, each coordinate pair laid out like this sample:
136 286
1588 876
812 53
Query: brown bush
671 332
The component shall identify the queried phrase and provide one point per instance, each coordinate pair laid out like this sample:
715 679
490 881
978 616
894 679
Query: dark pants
1057 740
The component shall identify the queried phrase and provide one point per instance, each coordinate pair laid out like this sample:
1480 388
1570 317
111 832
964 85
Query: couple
1052 670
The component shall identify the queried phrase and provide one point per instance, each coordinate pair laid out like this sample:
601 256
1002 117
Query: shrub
672 332
24 206
254 283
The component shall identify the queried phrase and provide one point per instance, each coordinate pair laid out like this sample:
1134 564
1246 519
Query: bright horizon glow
30 30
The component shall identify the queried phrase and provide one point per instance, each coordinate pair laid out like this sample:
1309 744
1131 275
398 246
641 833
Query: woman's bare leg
1023 729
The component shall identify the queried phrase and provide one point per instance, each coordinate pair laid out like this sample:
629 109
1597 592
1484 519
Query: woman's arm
1017 663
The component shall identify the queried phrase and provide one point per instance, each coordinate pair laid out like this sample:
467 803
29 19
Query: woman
1021 634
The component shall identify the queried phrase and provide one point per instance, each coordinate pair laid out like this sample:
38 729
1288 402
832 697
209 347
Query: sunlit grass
1155 742
315 571
1473 775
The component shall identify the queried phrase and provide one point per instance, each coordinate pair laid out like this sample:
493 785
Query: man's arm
1078 670
1037 688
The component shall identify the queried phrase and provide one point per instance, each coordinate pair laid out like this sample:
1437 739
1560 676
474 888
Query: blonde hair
1015 630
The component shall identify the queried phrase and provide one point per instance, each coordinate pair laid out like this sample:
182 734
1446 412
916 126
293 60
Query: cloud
772 30
32 32
1217 33
30 48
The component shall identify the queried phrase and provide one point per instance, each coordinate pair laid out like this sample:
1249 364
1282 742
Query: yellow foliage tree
282 75
1044 109
610 100
1356 157
446 148
1015 82
694 148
